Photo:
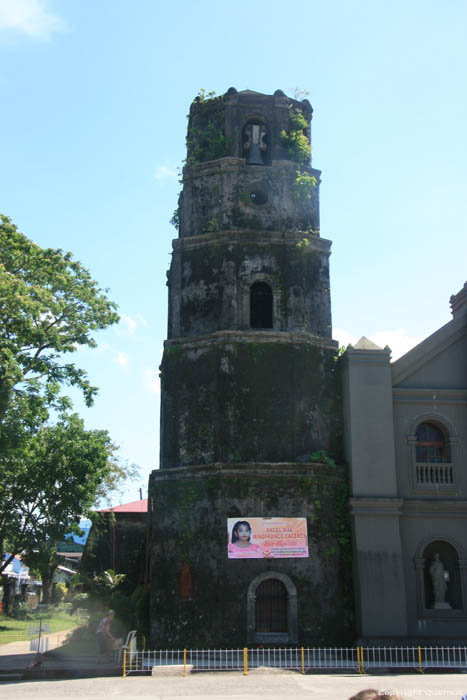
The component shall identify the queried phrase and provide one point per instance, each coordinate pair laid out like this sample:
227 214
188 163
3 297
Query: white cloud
343 337
165 173
122 359
130 322
399 340
30 17
140 319
152 383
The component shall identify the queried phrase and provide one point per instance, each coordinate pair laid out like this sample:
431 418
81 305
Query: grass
12 630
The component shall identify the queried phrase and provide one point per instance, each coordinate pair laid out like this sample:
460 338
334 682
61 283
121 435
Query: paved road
273 685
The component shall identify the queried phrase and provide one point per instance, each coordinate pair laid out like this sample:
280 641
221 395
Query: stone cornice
371 506
210 167
439 507
253 336
243 469
445 396
354 356
374 506
257 237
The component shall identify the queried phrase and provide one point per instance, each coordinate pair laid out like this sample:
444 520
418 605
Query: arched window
271 607
431 444
261 302
433 463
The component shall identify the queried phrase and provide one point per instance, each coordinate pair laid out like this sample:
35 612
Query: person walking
105 638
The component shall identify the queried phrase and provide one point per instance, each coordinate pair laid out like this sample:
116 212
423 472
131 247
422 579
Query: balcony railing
429 474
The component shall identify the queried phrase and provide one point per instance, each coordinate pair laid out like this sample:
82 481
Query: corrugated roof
140 506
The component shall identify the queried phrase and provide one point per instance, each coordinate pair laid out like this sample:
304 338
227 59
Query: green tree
49 475
44 560
49 306
47 483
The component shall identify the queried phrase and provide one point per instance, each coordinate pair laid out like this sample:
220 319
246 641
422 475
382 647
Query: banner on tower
271 538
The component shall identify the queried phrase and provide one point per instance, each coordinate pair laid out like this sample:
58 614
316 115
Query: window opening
431 445
432 456
258 197
261 302
255 143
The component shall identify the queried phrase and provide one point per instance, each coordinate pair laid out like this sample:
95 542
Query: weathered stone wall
230 398
245 409
189 528
211 276
215 124
220 195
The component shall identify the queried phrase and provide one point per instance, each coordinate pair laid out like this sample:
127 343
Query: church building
303 497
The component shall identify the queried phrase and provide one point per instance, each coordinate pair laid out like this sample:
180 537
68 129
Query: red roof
140 506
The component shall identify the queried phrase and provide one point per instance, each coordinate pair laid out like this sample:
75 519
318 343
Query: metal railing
359 659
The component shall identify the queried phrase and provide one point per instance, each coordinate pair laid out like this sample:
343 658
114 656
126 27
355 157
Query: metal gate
271 606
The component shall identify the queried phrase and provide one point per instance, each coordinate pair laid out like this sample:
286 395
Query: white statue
439 579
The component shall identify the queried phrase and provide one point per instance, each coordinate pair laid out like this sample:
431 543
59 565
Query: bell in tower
249 494
255 143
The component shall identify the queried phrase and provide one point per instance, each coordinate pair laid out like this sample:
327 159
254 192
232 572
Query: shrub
20 610
80 600
60 592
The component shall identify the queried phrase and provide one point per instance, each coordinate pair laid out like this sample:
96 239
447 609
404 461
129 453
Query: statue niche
442 581
255 143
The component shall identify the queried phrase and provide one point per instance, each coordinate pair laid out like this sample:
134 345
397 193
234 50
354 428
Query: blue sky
93 123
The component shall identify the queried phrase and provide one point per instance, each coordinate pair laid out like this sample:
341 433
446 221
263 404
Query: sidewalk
16 660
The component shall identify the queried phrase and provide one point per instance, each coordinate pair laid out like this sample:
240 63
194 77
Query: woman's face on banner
243 533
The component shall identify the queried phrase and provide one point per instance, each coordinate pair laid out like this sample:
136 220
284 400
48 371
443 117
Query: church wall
422 523
446 370
447 408
432 512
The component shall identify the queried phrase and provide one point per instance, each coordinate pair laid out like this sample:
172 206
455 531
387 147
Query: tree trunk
46 589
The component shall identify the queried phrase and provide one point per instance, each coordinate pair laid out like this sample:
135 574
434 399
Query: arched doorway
271 613
272 609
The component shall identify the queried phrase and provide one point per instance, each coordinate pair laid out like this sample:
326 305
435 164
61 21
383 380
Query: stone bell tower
250 404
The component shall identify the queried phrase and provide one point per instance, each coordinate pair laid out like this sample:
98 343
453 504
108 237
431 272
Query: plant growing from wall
322 457
207 141
295 139
175 220
303 185
297 143
342 534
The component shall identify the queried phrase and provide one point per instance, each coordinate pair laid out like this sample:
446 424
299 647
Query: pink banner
272 538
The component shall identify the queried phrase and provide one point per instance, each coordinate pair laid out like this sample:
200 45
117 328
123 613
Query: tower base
201 598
